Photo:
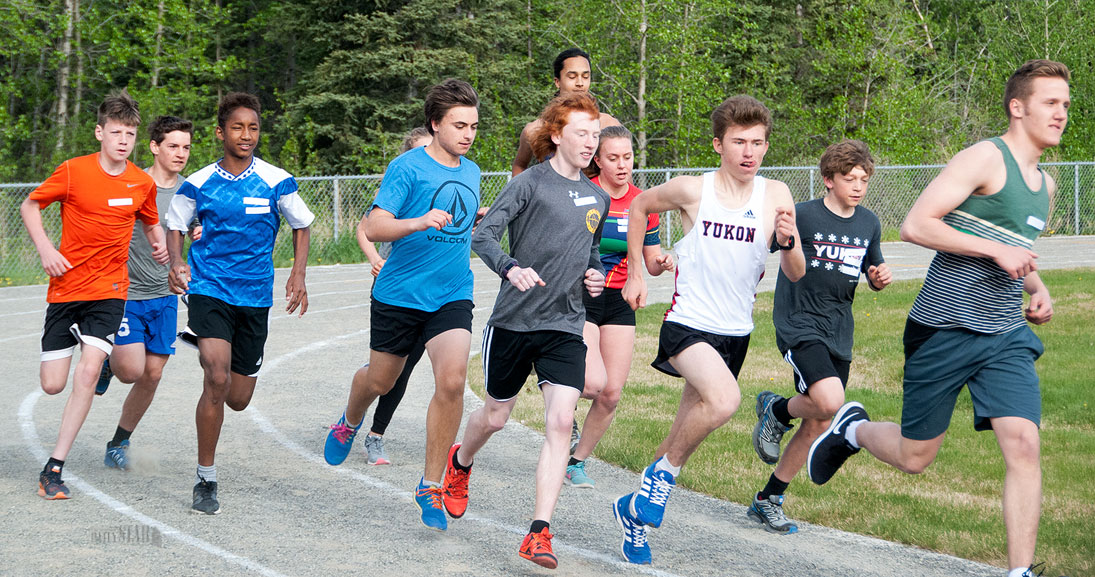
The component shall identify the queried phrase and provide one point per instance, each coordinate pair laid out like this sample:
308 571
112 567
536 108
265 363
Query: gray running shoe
205 498
769 512
374 447
768 433
575 436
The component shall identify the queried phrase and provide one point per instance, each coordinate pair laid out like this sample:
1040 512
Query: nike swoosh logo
132 185
837 430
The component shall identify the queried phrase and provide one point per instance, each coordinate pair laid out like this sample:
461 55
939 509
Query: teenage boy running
968 326
426 208
146 338
732 218
814 325
101 196
239 200
553 214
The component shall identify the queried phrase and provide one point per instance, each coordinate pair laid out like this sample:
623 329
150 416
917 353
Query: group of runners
571 277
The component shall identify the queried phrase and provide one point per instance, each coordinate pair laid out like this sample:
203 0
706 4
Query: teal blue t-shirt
430 268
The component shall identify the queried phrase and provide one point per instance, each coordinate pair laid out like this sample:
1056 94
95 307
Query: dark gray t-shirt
819 306
554 226
148 278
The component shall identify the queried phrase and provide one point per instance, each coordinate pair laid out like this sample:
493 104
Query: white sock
849 435
347 422
425 483
1017 572
663 464
209 474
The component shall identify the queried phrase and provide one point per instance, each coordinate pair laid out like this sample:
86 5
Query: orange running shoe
537 548
455 487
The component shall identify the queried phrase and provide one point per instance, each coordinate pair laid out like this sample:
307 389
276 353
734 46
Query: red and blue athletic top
614 236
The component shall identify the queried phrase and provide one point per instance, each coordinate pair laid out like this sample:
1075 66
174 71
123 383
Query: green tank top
975 293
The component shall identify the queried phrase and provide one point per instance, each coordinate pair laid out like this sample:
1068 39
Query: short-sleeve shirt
819 306
428 269
97 215
240 214
614 236
148 278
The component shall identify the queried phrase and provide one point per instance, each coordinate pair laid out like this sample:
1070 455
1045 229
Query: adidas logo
749 214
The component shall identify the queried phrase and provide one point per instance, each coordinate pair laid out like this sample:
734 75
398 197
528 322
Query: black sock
120 435
51 462
779 409
538 526
774 487
573 462
456 463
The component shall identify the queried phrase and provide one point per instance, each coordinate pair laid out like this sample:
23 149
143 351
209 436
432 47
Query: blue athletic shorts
152 322
998 369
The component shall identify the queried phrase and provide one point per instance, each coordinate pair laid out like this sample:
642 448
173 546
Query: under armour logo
573 194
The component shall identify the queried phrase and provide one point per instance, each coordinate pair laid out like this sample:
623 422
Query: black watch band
777 246
507 268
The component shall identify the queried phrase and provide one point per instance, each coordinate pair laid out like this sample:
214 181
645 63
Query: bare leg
216 358
884 441
1019 442
559 403
715 398
482 423
449 356
816 408
128 362
141 394
384 369
79 399
616 344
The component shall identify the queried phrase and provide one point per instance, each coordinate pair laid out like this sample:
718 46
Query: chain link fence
339 202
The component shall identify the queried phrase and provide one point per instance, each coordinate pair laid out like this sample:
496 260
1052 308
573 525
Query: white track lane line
34 445
18 337
267 427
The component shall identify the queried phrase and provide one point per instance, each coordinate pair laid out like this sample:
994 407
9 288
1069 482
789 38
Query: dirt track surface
285 512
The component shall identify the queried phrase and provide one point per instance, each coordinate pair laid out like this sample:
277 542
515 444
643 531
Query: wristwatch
777 246
506 269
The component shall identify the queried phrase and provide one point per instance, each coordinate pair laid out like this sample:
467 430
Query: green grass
954 507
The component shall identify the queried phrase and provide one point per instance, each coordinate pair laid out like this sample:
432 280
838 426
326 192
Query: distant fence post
337 207
669 218
1076 197
811 184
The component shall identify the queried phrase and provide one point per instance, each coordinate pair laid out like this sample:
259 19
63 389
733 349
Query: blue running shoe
117 456
339 440
576 476
634 546
431 502
648 503
105 374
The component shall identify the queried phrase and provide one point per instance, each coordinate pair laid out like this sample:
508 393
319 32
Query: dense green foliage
342 81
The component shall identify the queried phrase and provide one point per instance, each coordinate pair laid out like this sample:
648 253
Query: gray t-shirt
148 278
554 226
819 306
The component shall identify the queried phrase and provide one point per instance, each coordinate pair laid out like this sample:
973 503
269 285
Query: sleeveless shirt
719 263
974 293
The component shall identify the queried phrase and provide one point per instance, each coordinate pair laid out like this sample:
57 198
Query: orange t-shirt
97 215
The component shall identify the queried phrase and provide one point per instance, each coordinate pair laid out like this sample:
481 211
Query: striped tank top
974 293
719 263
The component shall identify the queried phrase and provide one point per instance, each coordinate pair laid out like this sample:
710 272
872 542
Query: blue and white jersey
233 259
430 268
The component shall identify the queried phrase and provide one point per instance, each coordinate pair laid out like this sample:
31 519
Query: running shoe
117 456
634 546
832 448
455 486
50 484
769 512
576 476
537 548
768 433
339 440
205 498
575 436
105 374
429 500
188 337
648 503
374 448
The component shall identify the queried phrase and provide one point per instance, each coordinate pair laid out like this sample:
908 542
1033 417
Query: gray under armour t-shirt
554 226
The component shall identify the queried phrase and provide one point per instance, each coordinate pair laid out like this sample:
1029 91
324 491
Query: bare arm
970 171
791 262
1040 309
657 261
53 262
155 235
178 277
524 149
681 193
368 247
296 293
383 226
